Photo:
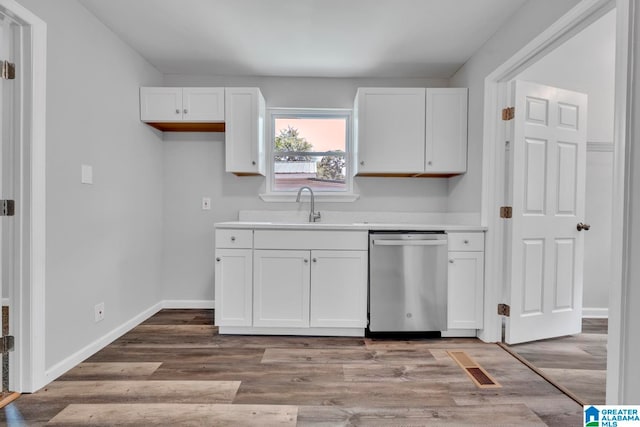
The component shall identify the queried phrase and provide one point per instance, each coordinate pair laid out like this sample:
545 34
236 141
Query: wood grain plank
111 370
142 391
283 373
317 355
185 415
407 394
507 415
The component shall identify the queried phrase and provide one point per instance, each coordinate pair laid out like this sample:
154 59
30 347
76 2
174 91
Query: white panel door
160 104
390 130
548 199
338 289
281 288
203 104
234 287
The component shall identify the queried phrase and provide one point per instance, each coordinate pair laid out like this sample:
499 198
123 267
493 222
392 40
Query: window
310 148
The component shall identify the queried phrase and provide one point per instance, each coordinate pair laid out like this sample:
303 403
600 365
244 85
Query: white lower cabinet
234 287
281 288
338 289
318 288
465 308
285 282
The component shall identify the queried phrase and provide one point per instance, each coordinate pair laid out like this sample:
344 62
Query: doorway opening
585 63
494 184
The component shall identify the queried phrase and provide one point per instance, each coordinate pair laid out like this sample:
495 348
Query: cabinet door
281 288
466 290
160 104
203 104
390 130
446 131
244 131
233 275
338 289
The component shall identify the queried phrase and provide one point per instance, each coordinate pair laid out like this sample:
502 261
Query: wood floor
174 369
577 362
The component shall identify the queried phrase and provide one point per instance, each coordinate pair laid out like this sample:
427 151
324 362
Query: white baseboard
595 313
186 303
6 302
77 357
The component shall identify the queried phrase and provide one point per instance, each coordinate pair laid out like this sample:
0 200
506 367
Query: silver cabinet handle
306 260
185 111
218 259
315 260
233 238
362 162
177 111
429 162
450 261
466 242
253 163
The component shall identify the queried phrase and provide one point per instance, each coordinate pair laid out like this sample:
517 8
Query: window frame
290 196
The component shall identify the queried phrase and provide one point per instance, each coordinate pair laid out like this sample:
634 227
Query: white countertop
349 220
364 226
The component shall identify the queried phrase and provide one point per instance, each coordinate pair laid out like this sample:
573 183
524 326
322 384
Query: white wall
194 167
529 21
104 241
586 63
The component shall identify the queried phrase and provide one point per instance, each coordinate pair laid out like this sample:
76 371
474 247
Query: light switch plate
86 174
206 203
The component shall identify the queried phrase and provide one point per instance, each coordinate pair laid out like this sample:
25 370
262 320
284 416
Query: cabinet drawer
466 241
309 239
234 238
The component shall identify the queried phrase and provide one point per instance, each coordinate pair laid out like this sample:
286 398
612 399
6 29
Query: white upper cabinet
446 131
203 104
389 128
162 104
175 104
244 131
410 131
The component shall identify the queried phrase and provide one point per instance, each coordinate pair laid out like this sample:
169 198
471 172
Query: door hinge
8 71
504 310
7 343
7 208
506 212
508 113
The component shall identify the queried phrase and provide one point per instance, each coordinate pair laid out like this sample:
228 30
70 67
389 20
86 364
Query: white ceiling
310 38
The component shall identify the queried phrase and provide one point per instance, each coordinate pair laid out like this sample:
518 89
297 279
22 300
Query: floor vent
480 377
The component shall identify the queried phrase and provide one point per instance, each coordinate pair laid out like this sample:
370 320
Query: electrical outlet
99 311
206 203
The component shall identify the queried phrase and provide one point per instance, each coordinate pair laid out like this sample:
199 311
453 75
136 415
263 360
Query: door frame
493 166
27 294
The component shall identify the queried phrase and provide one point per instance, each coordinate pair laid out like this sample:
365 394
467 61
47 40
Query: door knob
582 226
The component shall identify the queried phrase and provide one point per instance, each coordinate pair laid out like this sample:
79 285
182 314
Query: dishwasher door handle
409 242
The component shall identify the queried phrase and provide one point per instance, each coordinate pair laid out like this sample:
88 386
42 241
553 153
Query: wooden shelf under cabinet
187 126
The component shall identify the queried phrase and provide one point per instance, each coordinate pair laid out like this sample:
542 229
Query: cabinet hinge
508 113
8 71
506 212
6 343
7 208
504 310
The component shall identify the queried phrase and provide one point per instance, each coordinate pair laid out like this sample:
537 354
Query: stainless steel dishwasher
407 281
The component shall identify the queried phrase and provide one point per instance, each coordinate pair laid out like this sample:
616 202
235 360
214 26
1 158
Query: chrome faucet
313 215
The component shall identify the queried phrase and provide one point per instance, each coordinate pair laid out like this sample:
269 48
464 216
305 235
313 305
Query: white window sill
319 197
